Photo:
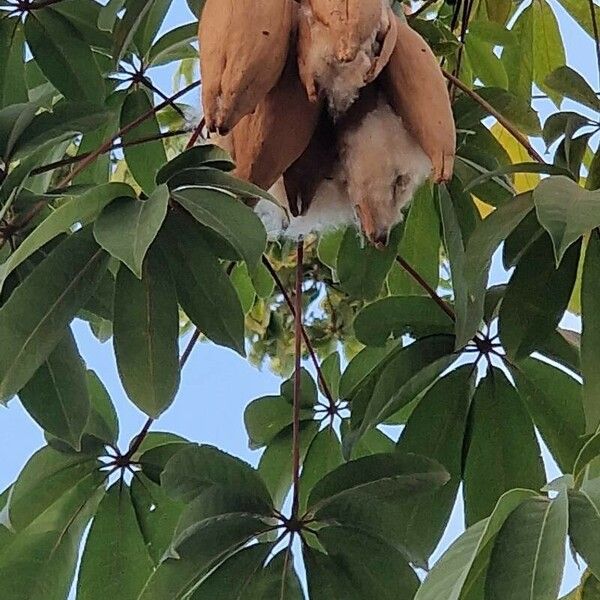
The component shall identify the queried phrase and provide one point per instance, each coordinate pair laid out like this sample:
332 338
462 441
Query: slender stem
65 162
103 148
307 341
129 127
467 7
197 133
430 291
596 32
522 139
188 349
297 379
148 83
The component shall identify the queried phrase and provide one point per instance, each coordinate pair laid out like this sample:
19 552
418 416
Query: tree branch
105 147
129 127
522 139
297 380
65 162
430 291
307 341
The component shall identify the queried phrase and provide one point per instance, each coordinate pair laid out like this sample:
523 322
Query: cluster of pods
338 107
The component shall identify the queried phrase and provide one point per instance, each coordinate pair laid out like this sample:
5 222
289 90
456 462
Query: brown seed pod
342 46
266 142
243 50
417 91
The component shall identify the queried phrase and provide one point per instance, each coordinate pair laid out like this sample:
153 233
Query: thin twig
297 380
123 131
65 162
522 139
430 291
188 349
307 341
103 148
195 135
162 95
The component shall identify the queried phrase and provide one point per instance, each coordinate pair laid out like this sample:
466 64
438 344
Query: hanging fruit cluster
337 106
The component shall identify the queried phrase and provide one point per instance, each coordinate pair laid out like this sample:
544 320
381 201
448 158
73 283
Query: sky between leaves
217 373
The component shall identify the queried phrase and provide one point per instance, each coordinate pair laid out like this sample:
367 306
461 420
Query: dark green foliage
406 393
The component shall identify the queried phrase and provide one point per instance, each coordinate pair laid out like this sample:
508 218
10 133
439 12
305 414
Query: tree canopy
114 211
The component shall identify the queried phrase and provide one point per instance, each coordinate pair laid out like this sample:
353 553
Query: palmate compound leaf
146 333
204 291
228 506
40 561
451 576
367 566
245 577
405 373
436 430
554 402
63 56
536 298
528 558
57 394
82 208
115 561
502 451
584 528
196 469
34 319
567 211
360 485
204 547
400 315
127 227
47 476
229 218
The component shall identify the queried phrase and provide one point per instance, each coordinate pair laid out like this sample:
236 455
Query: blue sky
217 384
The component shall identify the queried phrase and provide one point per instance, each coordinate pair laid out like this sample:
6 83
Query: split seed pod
265 143
243 50
342 46
417 91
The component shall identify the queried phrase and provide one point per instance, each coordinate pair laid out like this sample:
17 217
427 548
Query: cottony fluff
342 46
380 166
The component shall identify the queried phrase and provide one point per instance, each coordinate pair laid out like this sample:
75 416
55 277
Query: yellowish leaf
523 182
